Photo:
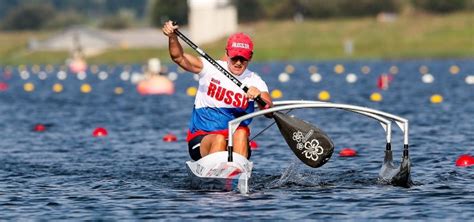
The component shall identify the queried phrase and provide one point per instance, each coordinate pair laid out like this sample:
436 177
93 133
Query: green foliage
368 7
114 22
89 7
249 10
287 9
441 6
28 17
163 10
65 19
122 20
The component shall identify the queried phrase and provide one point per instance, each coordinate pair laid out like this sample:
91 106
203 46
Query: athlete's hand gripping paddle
310 144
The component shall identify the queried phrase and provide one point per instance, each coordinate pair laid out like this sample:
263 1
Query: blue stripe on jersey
212 118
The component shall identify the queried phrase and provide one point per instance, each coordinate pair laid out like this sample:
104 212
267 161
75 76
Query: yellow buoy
35 69
312 69
289 69
324 95
276 94
454 69
365 69
29 87
436 98
57 87
118 90
394 70
49 68
339 69
21 68
423 69
86 88
94 69
376 97
191 91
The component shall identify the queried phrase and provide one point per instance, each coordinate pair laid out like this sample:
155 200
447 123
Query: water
65 173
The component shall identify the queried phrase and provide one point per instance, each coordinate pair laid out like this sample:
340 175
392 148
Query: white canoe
213 172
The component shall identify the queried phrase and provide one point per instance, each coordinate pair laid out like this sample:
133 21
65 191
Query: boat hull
214 172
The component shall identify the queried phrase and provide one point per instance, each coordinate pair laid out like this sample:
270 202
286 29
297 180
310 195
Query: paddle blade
310 144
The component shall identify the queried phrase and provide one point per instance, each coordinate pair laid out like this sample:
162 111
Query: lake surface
132 174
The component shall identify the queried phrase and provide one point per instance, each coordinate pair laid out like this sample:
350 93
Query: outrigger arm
389 172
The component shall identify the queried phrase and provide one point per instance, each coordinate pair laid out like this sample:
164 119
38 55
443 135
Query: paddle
310 144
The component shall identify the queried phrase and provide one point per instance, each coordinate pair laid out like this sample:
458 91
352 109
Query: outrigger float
228 171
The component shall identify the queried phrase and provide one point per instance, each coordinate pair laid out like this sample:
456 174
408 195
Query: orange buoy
155 86
170 138
465 160
100 132
347 152
78 65
253 145
39 127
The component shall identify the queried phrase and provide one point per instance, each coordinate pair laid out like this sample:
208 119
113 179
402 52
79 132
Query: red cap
239 44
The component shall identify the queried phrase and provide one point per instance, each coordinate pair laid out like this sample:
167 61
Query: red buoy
465 160
253 145
170 138
99 132
347 152
3 86
39 128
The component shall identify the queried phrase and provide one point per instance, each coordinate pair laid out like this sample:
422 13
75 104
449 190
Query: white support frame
386 124
299 104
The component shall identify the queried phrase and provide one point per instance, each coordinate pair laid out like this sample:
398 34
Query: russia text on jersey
229 97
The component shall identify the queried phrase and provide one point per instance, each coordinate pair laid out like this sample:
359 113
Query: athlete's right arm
186 61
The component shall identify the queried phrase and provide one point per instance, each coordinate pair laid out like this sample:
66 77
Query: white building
209 20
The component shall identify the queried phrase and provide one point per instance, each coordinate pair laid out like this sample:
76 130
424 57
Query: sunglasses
239 58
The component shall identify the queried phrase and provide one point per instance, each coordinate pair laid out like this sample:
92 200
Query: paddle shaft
232 78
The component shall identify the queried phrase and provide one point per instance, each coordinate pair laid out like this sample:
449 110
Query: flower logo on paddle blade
299 146
297 136
313 149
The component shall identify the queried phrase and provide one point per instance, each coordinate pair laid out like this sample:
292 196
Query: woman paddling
218 99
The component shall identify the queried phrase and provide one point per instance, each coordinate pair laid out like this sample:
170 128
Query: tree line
118 14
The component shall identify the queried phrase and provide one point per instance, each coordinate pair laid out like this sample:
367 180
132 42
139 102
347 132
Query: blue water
65 173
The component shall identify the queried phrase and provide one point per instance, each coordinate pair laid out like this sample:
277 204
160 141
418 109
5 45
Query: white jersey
219 100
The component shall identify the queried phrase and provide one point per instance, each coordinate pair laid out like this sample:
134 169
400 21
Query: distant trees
163 10
28 17
249 10
441 6
121 20
117 14
253 10
53 14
